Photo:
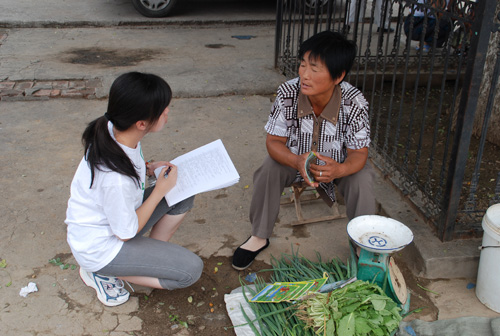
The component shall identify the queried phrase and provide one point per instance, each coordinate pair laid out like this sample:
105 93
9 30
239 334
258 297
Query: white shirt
97 216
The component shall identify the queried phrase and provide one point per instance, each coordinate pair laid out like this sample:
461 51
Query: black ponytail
133 96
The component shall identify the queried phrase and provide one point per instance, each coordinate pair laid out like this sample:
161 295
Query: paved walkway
40 90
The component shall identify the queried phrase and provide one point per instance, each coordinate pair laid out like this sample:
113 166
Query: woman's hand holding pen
164 183
167 178
152 165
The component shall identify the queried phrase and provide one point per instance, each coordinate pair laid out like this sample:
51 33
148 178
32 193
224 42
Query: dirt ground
201 306
200 310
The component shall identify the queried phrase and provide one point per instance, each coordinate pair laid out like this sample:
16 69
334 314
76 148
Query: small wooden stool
297 198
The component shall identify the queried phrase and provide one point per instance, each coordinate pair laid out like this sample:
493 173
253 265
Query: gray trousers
272 177
174 266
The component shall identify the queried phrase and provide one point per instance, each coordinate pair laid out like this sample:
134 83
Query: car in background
154 8
161 8
310 5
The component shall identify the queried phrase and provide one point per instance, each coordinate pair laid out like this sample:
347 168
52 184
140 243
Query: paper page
206 168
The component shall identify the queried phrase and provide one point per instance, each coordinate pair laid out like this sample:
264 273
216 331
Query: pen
168 171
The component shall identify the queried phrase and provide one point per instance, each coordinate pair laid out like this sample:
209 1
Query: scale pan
379 234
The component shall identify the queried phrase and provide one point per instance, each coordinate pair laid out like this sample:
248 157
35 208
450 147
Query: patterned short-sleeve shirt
344 123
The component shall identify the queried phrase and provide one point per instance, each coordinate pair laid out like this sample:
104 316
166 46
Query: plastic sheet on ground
234 302
464 326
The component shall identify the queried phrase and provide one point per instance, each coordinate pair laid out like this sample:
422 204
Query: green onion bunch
292 268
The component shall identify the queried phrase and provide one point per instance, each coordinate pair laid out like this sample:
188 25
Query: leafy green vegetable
360 308
175 319
347 325
63 266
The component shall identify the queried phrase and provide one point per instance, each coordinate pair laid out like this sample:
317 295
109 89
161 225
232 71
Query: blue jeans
429 31
173 265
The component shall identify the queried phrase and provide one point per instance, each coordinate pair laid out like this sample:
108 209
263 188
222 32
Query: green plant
360 308
63 266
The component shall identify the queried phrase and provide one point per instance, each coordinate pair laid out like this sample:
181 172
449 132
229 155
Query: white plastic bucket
488 277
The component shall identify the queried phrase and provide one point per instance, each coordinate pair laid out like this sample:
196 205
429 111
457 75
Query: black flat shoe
385 30
243 258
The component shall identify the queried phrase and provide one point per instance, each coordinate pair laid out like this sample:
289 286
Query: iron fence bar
330 14
468 102
358 51
397 32
496 198
396 48
279 32
368 56
374 84
422 124
303 15
316 16
359 4
412 114
383 56
292 6
386 141
436 124
471 204
346 17
401 106
385 4
415 91
448 140
426 104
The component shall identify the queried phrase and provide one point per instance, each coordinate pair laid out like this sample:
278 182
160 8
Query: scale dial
397 282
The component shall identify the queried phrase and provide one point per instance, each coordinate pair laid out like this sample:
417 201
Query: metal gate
431 104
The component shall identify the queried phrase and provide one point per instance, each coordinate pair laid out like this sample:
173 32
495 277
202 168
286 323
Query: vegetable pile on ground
359 308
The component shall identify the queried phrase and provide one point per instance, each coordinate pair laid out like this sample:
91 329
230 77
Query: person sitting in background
425 23
317 112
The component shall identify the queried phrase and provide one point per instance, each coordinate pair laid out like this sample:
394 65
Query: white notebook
206 168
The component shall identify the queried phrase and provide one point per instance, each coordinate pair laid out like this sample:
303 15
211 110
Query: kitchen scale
378 237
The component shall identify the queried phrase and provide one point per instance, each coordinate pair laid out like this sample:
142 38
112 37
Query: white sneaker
109 290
